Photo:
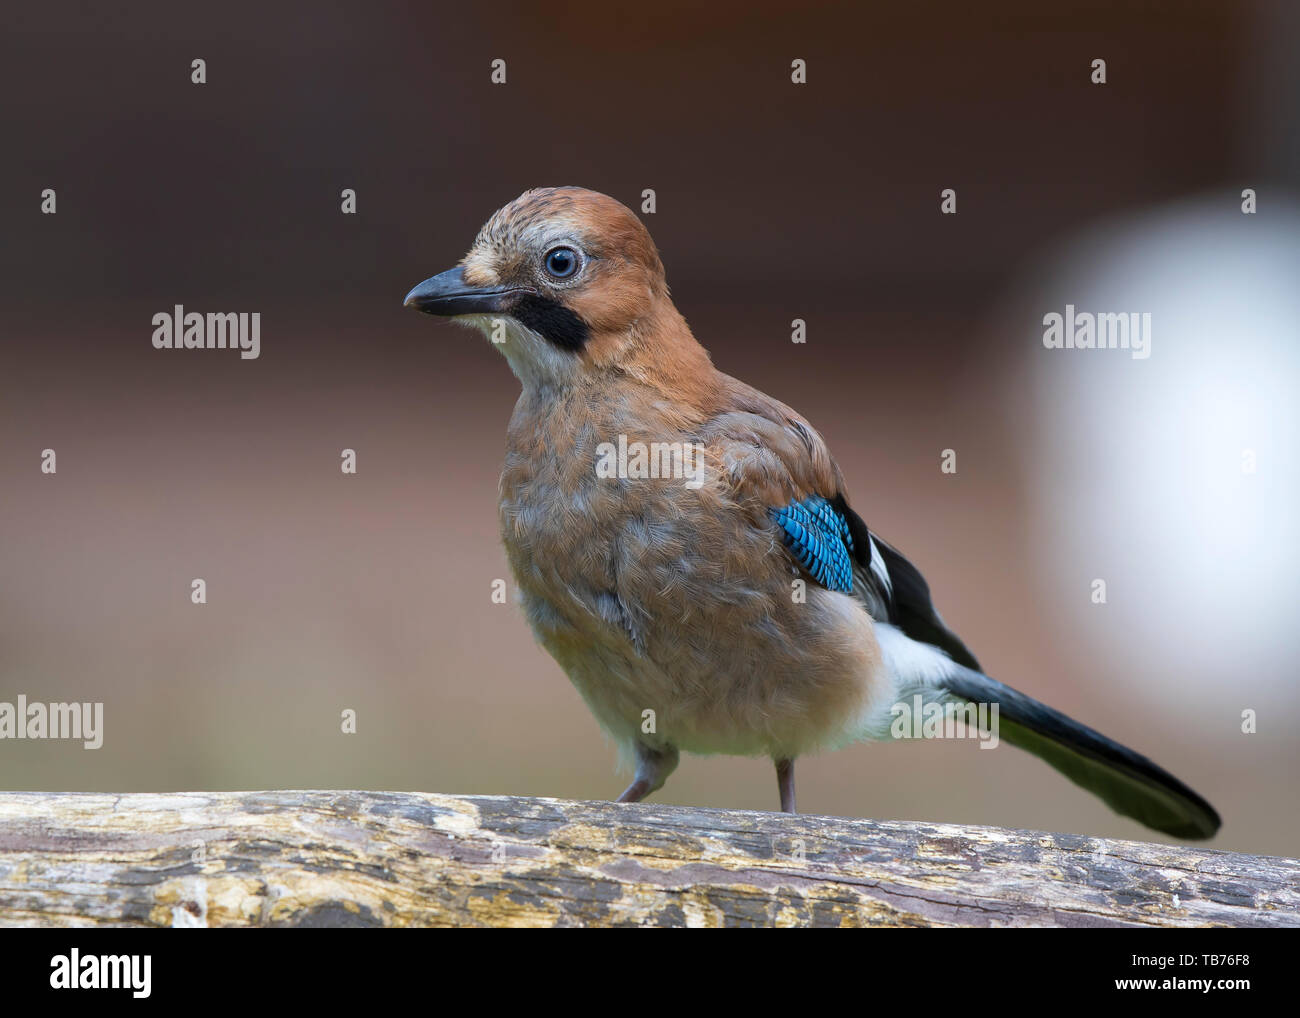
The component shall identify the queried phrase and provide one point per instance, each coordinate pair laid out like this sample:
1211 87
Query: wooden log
324 858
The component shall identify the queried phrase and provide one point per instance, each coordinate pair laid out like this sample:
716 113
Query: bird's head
565 281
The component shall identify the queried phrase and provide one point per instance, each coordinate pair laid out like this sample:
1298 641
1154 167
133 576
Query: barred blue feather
820 540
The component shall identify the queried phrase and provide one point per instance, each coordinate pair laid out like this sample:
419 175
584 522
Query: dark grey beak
448 294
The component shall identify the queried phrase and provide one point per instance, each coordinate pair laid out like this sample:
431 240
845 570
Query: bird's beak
448 294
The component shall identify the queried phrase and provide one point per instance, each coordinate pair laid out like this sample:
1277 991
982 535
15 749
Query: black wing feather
906 599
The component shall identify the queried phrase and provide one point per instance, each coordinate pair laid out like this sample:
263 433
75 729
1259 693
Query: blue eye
561 262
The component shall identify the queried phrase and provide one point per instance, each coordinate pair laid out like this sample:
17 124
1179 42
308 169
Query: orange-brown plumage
683 612
651 595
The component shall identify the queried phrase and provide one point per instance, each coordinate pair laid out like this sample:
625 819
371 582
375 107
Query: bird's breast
656 594
616 539
587 541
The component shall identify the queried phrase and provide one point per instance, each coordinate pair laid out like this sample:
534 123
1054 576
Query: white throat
536 362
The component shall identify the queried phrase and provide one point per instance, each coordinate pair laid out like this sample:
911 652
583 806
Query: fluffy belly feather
676 615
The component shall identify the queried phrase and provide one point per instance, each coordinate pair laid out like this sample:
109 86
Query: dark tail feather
1126 781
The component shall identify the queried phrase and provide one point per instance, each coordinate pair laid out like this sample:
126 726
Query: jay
674 607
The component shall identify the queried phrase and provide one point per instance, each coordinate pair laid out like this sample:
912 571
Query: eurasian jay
748 609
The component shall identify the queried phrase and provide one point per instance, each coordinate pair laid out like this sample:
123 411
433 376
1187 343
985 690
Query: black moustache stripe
549 318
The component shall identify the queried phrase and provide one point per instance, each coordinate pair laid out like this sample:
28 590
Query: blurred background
776 201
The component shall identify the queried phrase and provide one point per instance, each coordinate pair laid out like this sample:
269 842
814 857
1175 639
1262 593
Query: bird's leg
785 782
652 769
635 792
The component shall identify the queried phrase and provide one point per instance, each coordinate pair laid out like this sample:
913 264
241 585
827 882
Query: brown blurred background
775 201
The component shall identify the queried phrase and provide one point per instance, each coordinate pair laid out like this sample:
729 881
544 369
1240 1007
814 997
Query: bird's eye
561 262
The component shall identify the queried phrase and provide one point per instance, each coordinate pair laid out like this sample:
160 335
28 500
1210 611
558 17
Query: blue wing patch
820 541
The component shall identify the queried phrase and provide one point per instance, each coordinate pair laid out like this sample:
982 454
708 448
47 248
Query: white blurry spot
1136 465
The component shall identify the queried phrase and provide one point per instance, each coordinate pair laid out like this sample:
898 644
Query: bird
732 601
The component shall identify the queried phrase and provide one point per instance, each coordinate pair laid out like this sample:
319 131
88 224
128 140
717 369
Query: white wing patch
878 567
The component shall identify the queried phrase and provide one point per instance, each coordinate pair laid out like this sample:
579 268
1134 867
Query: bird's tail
1126 781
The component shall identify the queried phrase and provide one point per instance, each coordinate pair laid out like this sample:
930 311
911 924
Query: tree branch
406 859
